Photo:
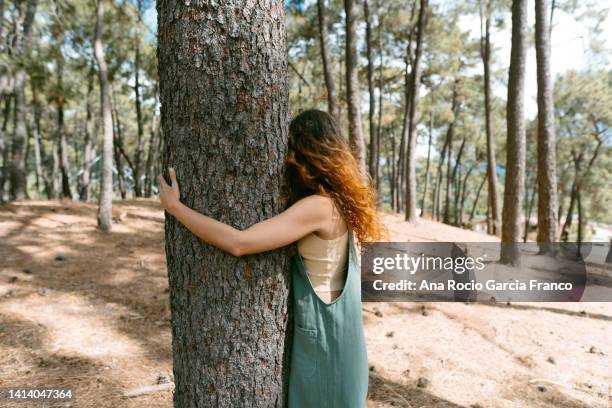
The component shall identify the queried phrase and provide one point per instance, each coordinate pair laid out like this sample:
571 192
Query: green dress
329 362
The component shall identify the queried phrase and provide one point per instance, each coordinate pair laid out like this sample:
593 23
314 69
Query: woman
329 201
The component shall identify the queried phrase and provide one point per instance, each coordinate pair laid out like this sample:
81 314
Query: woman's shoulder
317 200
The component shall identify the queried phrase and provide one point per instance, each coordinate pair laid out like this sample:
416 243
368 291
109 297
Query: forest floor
90 310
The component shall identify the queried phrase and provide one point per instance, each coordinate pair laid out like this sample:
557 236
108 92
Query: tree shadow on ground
383 390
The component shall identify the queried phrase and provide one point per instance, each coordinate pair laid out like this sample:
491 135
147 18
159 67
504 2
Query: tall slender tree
328 73
415 80
224 110
547 176
105 205
515 151
23 35
374 157
485 52
352 85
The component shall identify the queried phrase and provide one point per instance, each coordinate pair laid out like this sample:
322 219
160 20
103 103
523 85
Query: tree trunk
41 179
393 184
529 210
547 176
381 84
138 170
427 166
62 146
450 133
464 192
90 136
21 47
456 181
4 147
352 86
105 206
152 156
515 151
493 222
332 100
224 102
473 212
118 149
401 164
373 162
415 79
438 185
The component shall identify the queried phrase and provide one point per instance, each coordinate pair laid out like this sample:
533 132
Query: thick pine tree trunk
515 151
415 80
332 99
105 206
224 98
352 86
547 176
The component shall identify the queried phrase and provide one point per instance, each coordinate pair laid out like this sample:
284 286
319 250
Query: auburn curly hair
319 161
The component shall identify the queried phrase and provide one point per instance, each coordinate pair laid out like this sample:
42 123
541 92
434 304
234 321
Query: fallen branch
147 389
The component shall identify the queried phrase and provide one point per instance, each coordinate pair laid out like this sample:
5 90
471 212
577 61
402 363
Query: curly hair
319 161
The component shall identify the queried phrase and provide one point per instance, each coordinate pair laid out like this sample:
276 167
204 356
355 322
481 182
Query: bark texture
224 107
515 151
547 176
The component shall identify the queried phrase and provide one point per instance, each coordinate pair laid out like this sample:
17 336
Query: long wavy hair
319 161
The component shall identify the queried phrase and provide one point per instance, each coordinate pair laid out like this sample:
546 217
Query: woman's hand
169 196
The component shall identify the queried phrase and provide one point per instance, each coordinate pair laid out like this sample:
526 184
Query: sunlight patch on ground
73 325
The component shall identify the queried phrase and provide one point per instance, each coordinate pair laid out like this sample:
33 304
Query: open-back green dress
329 362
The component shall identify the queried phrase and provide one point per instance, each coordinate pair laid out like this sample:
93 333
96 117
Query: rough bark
105 205
515 151
332 99
224 107
415 79
547 176
493 221
352 86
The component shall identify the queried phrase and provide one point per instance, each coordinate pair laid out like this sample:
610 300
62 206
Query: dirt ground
90 310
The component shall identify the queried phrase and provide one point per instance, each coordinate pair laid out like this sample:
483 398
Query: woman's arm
305 216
